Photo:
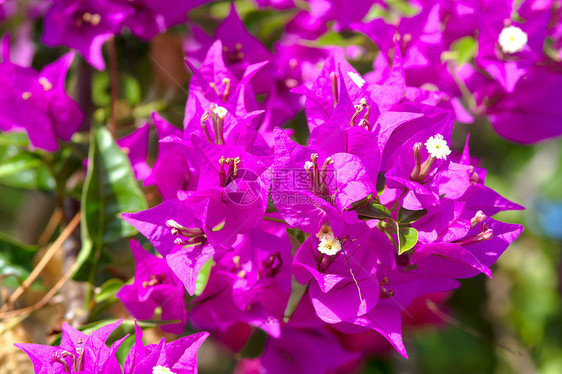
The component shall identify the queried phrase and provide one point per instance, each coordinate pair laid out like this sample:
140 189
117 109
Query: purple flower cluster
479 57
87 24
81 353
375 212
308 243
515 46
37 102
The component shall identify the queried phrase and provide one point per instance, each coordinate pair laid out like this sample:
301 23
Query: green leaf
108 290
219 226
16 261
124 349
22 168
361 203
403 7
462 50
22 161
272 24
409 216
203 277
19 139
132 90
373 211
296 238
407 239
331 38
297 292
381 183
376 11
36 179
109 190
255 344
101 95
143 111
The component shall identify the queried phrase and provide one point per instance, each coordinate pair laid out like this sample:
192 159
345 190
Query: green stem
274 220
398 200
60 191
467 95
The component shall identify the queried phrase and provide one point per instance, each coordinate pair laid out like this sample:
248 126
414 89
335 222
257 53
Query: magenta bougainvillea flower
7 9
178 356
171 170
300 351
150 17
37 102
84 25
178 235
388 211
155 285
315 232
250 284
77 353
81 353
510 113
135 146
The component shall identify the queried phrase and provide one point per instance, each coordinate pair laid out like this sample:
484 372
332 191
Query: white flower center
161 370
512 39
26 95
220 111
437 147
329 245
356 78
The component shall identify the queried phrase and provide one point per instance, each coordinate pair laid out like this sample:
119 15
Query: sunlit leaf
409 216
108 290
297 292
407 239
203 277
20 162
109 190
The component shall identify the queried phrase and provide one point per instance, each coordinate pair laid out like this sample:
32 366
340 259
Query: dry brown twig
41 303
52 225
42 263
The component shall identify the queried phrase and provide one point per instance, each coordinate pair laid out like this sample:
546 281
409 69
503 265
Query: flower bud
478 217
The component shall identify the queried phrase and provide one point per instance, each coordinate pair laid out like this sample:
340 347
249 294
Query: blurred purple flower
155 285
37 102
84 25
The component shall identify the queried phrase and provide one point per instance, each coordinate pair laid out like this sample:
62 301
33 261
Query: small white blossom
325 230
512 39
161 370
329 245
356 78
437 147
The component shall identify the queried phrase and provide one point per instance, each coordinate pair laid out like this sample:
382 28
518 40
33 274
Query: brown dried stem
41 303
44 261
54 221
